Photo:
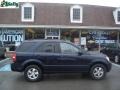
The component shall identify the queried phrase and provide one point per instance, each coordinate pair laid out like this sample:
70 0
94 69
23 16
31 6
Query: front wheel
33 73
98 72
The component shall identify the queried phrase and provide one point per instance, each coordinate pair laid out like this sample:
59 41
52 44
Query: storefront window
70 35
52 33
99 39
91 37
34 33
108 38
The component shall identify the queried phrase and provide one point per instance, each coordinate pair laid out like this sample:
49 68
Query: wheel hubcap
32 73
98 72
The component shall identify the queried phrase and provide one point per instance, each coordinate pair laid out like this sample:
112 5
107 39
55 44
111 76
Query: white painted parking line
116 65
6 68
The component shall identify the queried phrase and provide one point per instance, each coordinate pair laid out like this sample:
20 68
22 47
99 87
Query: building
86 25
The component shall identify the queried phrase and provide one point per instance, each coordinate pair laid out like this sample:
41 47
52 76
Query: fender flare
34 61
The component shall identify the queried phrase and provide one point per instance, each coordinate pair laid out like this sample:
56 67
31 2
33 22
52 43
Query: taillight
14 57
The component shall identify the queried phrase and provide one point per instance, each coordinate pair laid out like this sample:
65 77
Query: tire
2 56
98 72
33 73
116 59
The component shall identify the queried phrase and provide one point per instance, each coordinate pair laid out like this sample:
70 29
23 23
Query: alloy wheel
32 73
98 72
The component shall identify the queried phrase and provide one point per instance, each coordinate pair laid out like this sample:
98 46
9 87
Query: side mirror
80 53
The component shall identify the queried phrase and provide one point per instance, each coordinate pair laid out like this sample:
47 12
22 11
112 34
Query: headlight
107 58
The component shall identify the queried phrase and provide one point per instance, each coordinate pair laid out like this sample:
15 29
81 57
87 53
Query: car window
26 47
45 47
68 48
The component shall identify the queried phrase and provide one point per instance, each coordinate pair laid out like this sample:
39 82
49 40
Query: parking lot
15 81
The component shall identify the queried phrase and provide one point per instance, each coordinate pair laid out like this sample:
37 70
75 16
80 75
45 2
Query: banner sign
12 36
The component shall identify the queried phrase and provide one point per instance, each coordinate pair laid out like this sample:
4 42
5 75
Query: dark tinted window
45 47
118 16
27 12
26 47
76 14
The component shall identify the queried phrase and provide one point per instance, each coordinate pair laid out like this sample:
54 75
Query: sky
113 3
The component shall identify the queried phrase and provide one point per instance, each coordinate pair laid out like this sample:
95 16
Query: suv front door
69 60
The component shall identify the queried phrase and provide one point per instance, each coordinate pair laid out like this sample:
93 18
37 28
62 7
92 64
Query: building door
52 37
52 34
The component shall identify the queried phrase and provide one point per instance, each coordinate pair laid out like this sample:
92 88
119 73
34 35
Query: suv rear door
46 52
25 51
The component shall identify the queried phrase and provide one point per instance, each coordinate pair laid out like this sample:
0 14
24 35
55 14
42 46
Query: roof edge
70 4
57 26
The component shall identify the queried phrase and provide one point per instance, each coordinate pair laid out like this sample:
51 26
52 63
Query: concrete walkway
5 62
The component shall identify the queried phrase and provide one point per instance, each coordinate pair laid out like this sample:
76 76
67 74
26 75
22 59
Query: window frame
115 14
118 16
81 14
22 12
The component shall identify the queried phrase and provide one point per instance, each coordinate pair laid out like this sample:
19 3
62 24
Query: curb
3 60
116 65
5 68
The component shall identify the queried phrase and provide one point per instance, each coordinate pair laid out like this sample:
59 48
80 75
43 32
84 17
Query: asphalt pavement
15 81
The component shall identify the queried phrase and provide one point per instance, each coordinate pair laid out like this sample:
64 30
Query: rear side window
46 47
26 47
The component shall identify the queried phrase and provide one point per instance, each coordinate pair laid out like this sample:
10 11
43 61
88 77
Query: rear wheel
2 56
98 72
33 73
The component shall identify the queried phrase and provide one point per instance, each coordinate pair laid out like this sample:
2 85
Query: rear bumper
16 67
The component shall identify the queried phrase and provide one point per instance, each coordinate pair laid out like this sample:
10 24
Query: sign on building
83 40
11 35
8 4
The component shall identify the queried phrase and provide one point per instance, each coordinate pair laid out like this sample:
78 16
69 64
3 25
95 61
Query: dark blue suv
38 57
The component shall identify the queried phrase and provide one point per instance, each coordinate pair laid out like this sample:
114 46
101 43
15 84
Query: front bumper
109 66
